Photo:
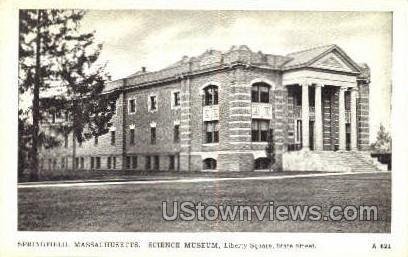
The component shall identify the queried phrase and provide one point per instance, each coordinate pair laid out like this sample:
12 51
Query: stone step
330 161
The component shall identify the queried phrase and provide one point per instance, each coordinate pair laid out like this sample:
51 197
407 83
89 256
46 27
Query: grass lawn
138 207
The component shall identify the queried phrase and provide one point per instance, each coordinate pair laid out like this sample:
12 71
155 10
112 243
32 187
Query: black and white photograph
203 120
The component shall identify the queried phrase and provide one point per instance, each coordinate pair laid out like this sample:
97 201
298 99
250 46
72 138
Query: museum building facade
213 112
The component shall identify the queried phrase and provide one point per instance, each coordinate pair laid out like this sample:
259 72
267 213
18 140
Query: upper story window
175 99
152 103
176 135
96 140
113 137
153 135
211 95
132 136
132 106
66 141
260 93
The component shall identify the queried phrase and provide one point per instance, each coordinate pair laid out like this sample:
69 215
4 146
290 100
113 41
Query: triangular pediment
334 61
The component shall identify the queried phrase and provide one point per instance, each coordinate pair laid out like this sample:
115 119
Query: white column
353 114
318 125
342 120
305 116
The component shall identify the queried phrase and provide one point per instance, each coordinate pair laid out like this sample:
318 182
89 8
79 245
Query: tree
383 142
54 54
270 149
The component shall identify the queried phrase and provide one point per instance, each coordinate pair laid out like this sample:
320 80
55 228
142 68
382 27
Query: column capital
319 85
343 88
305 83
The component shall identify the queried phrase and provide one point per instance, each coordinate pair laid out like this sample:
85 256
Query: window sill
207 170
259 143
211 144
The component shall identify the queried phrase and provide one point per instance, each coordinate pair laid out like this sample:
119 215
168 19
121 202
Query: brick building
214 111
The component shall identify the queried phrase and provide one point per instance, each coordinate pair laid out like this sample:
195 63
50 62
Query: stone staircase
329 161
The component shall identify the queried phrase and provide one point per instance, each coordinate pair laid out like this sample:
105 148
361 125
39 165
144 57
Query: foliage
54 55
383 142
270 149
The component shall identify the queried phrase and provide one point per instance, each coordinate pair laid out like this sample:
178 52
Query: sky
157 38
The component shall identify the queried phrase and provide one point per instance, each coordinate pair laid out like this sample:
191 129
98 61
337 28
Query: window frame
130 105
109 163
149 103
134 161
257 96
211 95
113 137
210 164
176 133
175 101
172 162
98 162
153 135
211 137
148 162
156 162
261 135
132 136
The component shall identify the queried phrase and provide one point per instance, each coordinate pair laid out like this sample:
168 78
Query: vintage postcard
205 130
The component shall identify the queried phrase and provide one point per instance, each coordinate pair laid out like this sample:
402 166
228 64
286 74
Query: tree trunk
36 104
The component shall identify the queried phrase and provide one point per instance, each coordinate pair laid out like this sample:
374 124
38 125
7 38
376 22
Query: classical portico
322 103
313 111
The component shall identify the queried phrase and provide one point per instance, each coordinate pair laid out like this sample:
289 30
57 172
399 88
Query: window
63 163
134 162
66 116
152 103
172 162
153 135
66 140
82 162
132 105
147 163
175 102
176 136
260 130
347 100
92 163
261 164
209 164
156 162
98 162
109 163
211 131
114 162
76 163
211 95
132 136
96 140
298 131
260 93
59 115
128 162
113 137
